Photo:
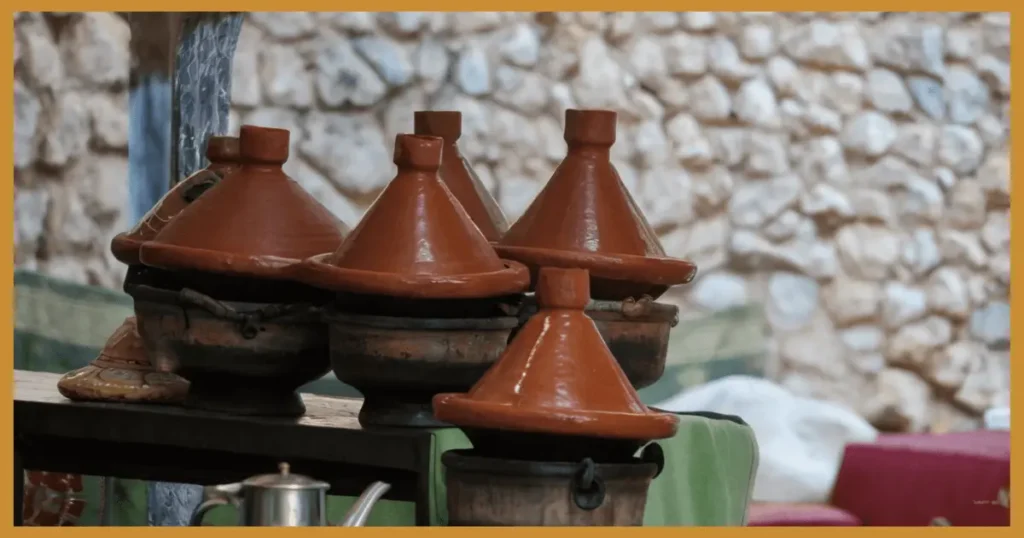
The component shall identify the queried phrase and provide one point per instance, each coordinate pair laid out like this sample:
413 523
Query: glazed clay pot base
254 223
423 304
584 217
415 241
458 175
557 391
400 363
122 373
223 154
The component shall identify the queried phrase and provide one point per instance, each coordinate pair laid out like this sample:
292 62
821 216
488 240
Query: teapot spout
360 511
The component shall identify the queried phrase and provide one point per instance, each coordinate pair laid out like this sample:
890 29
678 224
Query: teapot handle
206 506
220 495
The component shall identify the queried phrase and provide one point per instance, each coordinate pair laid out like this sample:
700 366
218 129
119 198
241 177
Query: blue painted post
149 143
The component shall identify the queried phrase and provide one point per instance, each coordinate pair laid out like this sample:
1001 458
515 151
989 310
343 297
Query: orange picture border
7 232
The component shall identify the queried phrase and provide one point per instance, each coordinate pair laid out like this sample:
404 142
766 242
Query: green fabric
708 476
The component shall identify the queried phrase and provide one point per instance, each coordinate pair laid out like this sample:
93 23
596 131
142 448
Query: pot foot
388 411
252 400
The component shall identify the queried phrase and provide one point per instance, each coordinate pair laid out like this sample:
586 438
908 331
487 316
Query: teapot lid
284 479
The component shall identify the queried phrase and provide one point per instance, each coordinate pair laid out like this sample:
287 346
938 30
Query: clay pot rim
462 410
621 267
354 322
316 272
125 248
178 258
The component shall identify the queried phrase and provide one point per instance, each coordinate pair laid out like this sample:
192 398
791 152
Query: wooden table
172 444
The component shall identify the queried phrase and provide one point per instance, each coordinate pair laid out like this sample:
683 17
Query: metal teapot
285 500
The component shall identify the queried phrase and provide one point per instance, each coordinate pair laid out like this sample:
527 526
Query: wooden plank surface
169 443
329 431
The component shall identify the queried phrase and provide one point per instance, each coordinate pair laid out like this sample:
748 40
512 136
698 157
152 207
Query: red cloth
799 515
913 480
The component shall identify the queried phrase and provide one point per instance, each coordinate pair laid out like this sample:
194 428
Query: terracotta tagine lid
458 175
122 373
224 157
584 217
557 377
415 241
254 223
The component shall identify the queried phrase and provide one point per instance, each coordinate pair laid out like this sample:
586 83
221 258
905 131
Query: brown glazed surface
584 217
557 376
123 373
254 223
223 154
415 241
458 175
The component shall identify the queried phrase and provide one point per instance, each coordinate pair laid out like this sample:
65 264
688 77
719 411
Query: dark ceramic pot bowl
240 358
400 363
636 332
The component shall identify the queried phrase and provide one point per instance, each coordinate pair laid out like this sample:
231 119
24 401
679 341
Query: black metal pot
484 491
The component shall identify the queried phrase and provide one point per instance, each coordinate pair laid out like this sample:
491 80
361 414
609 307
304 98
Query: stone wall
848 171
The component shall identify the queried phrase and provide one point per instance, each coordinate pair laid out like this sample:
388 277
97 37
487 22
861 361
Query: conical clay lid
224 156
123 373
557 377
584 217
458 175
254 223
415 241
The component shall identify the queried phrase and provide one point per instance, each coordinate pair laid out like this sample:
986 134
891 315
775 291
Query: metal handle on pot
249 320
588 489
635 308
653 453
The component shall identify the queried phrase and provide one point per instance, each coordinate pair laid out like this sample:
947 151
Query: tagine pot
635 331
458 175
227 318
422 302
255 224
584 217
556 393
122 373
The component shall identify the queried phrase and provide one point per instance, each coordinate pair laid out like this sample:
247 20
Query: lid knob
220 149
263 145
418 152
590 127
559 288
284 468
444 123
